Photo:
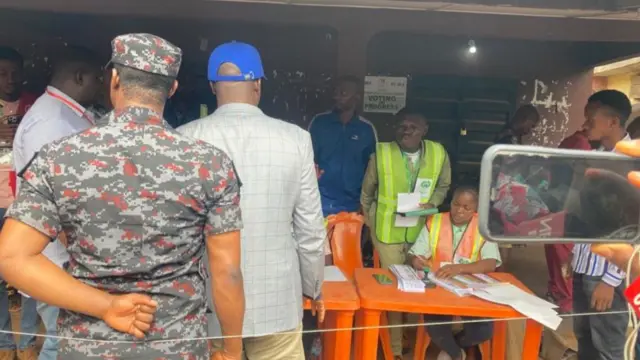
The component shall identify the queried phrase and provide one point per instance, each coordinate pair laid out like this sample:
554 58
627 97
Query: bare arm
227 287
369 188
23 266
308 226
222 229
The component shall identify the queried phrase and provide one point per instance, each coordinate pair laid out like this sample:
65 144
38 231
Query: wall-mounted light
472 47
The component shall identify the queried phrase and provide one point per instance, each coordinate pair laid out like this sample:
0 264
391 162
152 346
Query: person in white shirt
283 240
58 113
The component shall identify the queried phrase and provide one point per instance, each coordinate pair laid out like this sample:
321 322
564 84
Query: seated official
451 245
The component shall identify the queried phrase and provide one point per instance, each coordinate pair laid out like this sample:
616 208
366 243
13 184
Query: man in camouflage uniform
137 203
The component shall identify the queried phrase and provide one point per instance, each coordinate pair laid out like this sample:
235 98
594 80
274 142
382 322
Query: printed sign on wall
385 94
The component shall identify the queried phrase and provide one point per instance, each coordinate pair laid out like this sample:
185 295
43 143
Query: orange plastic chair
345 230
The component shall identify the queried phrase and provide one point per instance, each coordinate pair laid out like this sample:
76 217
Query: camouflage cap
148 53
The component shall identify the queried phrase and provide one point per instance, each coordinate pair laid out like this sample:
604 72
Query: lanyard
455 250
71 105
411 170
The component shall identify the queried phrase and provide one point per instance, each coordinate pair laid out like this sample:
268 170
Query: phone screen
383 279
531 194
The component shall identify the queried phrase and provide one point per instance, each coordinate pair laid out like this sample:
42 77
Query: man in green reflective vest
413 168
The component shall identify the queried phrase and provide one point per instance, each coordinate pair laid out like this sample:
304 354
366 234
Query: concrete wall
560 100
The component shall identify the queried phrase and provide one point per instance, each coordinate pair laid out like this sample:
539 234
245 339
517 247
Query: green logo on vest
425 186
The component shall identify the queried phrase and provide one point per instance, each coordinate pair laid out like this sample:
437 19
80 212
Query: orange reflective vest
441 241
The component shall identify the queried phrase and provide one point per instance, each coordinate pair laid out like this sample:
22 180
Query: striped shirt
587 263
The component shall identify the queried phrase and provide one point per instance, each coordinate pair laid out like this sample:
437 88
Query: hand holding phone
534 194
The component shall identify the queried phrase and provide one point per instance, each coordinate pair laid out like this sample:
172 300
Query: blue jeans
28 321
49 315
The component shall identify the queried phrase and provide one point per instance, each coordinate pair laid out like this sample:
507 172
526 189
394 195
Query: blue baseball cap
244 56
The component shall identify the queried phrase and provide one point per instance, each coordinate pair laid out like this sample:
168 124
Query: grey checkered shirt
283 240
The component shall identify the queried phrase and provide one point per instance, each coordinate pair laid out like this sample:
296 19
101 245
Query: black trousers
309 322
474 333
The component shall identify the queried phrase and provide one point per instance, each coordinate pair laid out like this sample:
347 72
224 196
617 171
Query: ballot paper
408 280
487 288
464 285
333 274
527 304
407 202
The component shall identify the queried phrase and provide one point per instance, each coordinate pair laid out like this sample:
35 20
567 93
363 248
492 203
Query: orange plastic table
376 298
341 302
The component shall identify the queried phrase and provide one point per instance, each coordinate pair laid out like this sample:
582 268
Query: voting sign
385 94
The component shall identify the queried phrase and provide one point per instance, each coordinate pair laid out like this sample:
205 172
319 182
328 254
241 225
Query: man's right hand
317 309
419 262
131 314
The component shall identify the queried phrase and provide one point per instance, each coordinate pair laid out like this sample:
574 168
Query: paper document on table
407 202
527 304
464 285
333 274
408 280
506 293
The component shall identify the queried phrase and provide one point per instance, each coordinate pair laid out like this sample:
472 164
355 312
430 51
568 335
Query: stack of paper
490 289
527 304
408 279
464 285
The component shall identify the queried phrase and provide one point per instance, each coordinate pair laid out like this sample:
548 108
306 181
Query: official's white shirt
52 117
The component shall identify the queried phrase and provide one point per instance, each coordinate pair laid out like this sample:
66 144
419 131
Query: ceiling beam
435 22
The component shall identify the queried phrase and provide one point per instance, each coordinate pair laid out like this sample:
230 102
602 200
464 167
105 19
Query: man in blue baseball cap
274 159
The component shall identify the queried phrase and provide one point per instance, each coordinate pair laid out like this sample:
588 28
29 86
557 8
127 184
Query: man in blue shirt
342 143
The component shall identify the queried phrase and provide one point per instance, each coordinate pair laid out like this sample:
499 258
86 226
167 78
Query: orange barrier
376 298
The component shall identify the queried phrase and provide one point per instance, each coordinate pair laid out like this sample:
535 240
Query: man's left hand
426 206
131 314
602 297
317 309
448 271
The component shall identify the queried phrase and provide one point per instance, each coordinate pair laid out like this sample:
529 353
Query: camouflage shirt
136 200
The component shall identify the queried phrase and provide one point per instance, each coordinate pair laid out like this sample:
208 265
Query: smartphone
531 194
383 279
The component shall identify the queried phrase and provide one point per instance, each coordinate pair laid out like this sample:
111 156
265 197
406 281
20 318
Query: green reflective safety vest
393 179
